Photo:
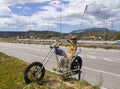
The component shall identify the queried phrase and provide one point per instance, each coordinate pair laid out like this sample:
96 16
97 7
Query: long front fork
56 57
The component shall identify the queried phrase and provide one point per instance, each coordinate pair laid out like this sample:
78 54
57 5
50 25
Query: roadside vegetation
104 46
43 42
11 77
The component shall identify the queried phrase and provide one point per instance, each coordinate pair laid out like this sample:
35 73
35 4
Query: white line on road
102 58
92 57
117 75
107 59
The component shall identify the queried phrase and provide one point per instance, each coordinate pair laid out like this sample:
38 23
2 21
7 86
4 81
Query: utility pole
48 29
105 21
61 17
30 24
105 26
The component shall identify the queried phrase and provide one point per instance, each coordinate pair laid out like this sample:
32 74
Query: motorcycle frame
53 51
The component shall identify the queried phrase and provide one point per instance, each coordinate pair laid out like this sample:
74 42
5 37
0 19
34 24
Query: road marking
103 88
117 75
102 58
92 57
107 59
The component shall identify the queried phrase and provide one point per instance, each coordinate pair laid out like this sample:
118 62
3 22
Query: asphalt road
100 67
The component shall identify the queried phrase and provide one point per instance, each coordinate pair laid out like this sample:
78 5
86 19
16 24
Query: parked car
117 42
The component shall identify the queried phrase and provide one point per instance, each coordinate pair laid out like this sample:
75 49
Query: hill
98 32
28 34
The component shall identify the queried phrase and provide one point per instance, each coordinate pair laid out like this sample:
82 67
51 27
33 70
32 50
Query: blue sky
24 15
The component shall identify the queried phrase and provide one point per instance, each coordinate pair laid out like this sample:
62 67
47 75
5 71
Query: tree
117 37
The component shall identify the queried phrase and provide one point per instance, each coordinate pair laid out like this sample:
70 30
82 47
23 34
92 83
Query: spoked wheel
76 66
34 72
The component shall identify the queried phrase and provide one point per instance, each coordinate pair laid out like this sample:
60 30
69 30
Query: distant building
89 38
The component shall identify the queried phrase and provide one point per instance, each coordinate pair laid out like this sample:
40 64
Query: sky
58 15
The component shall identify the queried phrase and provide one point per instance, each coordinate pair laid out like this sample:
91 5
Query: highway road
100 67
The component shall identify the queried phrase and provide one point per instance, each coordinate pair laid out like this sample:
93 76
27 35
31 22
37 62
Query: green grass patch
12 77
11 72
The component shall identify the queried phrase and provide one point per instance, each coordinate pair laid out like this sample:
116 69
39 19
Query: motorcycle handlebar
56 44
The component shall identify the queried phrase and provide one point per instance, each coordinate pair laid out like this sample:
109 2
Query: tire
34 72
77 63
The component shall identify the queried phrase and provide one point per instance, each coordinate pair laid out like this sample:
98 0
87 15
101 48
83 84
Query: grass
11 72
11 77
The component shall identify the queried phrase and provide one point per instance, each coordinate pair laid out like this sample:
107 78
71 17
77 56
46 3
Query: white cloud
4 11
72 13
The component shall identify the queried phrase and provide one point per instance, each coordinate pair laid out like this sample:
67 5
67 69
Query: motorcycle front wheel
34 72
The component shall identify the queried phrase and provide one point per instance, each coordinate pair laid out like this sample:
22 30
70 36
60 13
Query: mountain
91 29
28 34
97 32
82 33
